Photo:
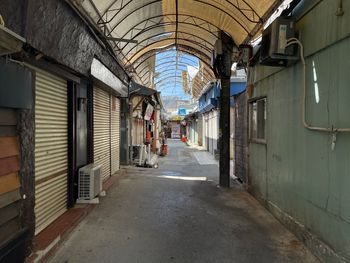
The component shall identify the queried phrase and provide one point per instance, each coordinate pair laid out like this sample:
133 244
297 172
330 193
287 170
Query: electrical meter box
273 51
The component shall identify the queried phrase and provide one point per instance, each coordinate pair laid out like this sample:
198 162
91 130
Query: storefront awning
141 90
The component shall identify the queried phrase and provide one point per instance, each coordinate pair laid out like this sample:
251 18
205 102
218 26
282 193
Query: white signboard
99 71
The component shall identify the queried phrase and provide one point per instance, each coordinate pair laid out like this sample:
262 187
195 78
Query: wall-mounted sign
175 118
16 86
182 112
149 111
102 73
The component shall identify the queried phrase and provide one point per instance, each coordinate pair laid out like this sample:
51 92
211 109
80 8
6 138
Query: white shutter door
51 148
115 134
102 127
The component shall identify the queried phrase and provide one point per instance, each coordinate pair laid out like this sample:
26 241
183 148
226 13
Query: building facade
300 174
68 115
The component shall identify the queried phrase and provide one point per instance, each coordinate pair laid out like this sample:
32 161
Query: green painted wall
296 170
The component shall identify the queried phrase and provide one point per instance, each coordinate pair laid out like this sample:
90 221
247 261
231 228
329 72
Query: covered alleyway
178 214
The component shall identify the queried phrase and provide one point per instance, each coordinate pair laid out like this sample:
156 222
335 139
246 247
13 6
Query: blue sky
169 65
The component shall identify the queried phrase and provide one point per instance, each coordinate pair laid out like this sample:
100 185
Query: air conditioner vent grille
89 182
84 185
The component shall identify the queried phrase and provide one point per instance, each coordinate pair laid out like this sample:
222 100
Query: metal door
51 148
102 126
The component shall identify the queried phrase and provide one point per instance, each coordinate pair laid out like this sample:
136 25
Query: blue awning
237 88
212 104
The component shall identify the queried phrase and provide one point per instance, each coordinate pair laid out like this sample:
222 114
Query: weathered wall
240 136
13 13
26 134
16 164
296 173
64 38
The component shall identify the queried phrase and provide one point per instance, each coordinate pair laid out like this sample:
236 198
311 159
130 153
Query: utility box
273 50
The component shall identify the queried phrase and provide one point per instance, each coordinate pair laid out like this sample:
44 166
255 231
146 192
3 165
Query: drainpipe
333 130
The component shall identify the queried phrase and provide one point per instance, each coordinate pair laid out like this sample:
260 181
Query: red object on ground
148 136
184 139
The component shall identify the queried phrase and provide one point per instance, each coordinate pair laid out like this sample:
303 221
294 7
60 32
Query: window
257 120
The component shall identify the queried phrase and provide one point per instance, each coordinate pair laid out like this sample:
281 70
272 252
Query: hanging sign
149 111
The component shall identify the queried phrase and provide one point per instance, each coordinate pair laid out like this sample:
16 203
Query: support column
222 68
224 132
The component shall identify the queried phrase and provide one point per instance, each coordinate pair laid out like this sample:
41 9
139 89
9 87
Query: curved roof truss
189 26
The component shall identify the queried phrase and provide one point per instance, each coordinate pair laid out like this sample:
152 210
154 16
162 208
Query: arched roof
191 26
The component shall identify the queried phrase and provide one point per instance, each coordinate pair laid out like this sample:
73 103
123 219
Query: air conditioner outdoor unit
274 50
89 182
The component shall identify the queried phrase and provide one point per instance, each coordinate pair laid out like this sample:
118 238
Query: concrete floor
173 214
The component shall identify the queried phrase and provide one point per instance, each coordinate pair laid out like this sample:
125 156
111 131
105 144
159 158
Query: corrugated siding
51 148
115 135
102 128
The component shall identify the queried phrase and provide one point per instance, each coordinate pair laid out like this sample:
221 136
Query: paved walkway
178 214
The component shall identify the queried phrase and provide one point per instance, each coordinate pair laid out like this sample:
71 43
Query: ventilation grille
84 185
89 182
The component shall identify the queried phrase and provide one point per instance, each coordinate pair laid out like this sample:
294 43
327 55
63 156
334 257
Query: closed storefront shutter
213 131
51 148
102 126
115 134
205 130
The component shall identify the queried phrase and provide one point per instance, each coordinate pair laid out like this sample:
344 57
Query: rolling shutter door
51 148
102 126
115 135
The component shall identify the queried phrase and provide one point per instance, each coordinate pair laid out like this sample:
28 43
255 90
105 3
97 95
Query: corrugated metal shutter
213 131
115 135
205 131
102 126
51 148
